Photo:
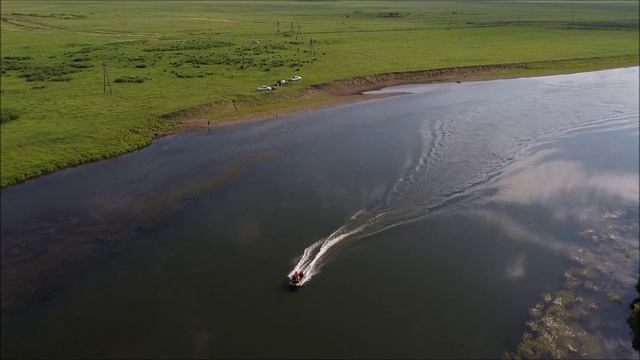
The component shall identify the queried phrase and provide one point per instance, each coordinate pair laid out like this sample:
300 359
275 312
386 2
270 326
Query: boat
295 280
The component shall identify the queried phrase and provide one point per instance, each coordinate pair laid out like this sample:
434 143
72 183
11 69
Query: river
469 219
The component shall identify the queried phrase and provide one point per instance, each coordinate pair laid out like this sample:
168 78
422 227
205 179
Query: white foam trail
311 260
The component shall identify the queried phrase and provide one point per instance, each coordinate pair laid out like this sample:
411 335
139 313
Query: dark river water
445 222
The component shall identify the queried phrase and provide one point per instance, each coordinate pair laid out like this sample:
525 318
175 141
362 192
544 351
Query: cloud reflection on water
574 195
535 181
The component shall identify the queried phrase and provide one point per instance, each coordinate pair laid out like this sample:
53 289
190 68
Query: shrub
10 63
196 44
35 76
183 75
88 49
17 58
8 114
51 72
61 78
129 79
81 65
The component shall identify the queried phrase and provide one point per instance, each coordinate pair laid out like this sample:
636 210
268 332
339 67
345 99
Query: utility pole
278 27
299 33
312 51
105 79
291 29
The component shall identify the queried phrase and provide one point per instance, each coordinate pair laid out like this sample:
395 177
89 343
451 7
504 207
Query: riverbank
351 90
314 97
175 69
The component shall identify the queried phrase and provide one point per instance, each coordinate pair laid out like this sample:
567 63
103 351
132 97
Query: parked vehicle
281 82
296 78
264 88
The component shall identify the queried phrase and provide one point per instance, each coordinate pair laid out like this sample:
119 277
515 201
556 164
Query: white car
296 78
281 82
264 88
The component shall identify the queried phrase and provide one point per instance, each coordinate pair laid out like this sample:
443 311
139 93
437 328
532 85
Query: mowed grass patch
163 57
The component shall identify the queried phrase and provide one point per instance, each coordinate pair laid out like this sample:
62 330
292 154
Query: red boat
296 278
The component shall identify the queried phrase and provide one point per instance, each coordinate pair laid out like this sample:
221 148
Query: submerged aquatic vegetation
613 297
634 319
554 332
558 326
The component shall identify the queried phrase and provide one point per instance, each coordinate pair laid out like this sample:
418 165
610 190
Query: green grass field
167 56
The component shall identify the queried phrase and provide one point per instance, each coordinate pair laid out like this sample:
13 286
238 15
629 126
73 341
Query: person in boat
297 276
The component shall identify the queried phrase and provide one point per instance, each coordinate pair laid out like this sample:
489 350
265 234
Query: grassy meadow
165 56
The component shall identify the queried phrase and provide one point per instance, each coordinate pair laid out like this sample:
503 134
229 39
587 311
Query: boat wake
309 263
